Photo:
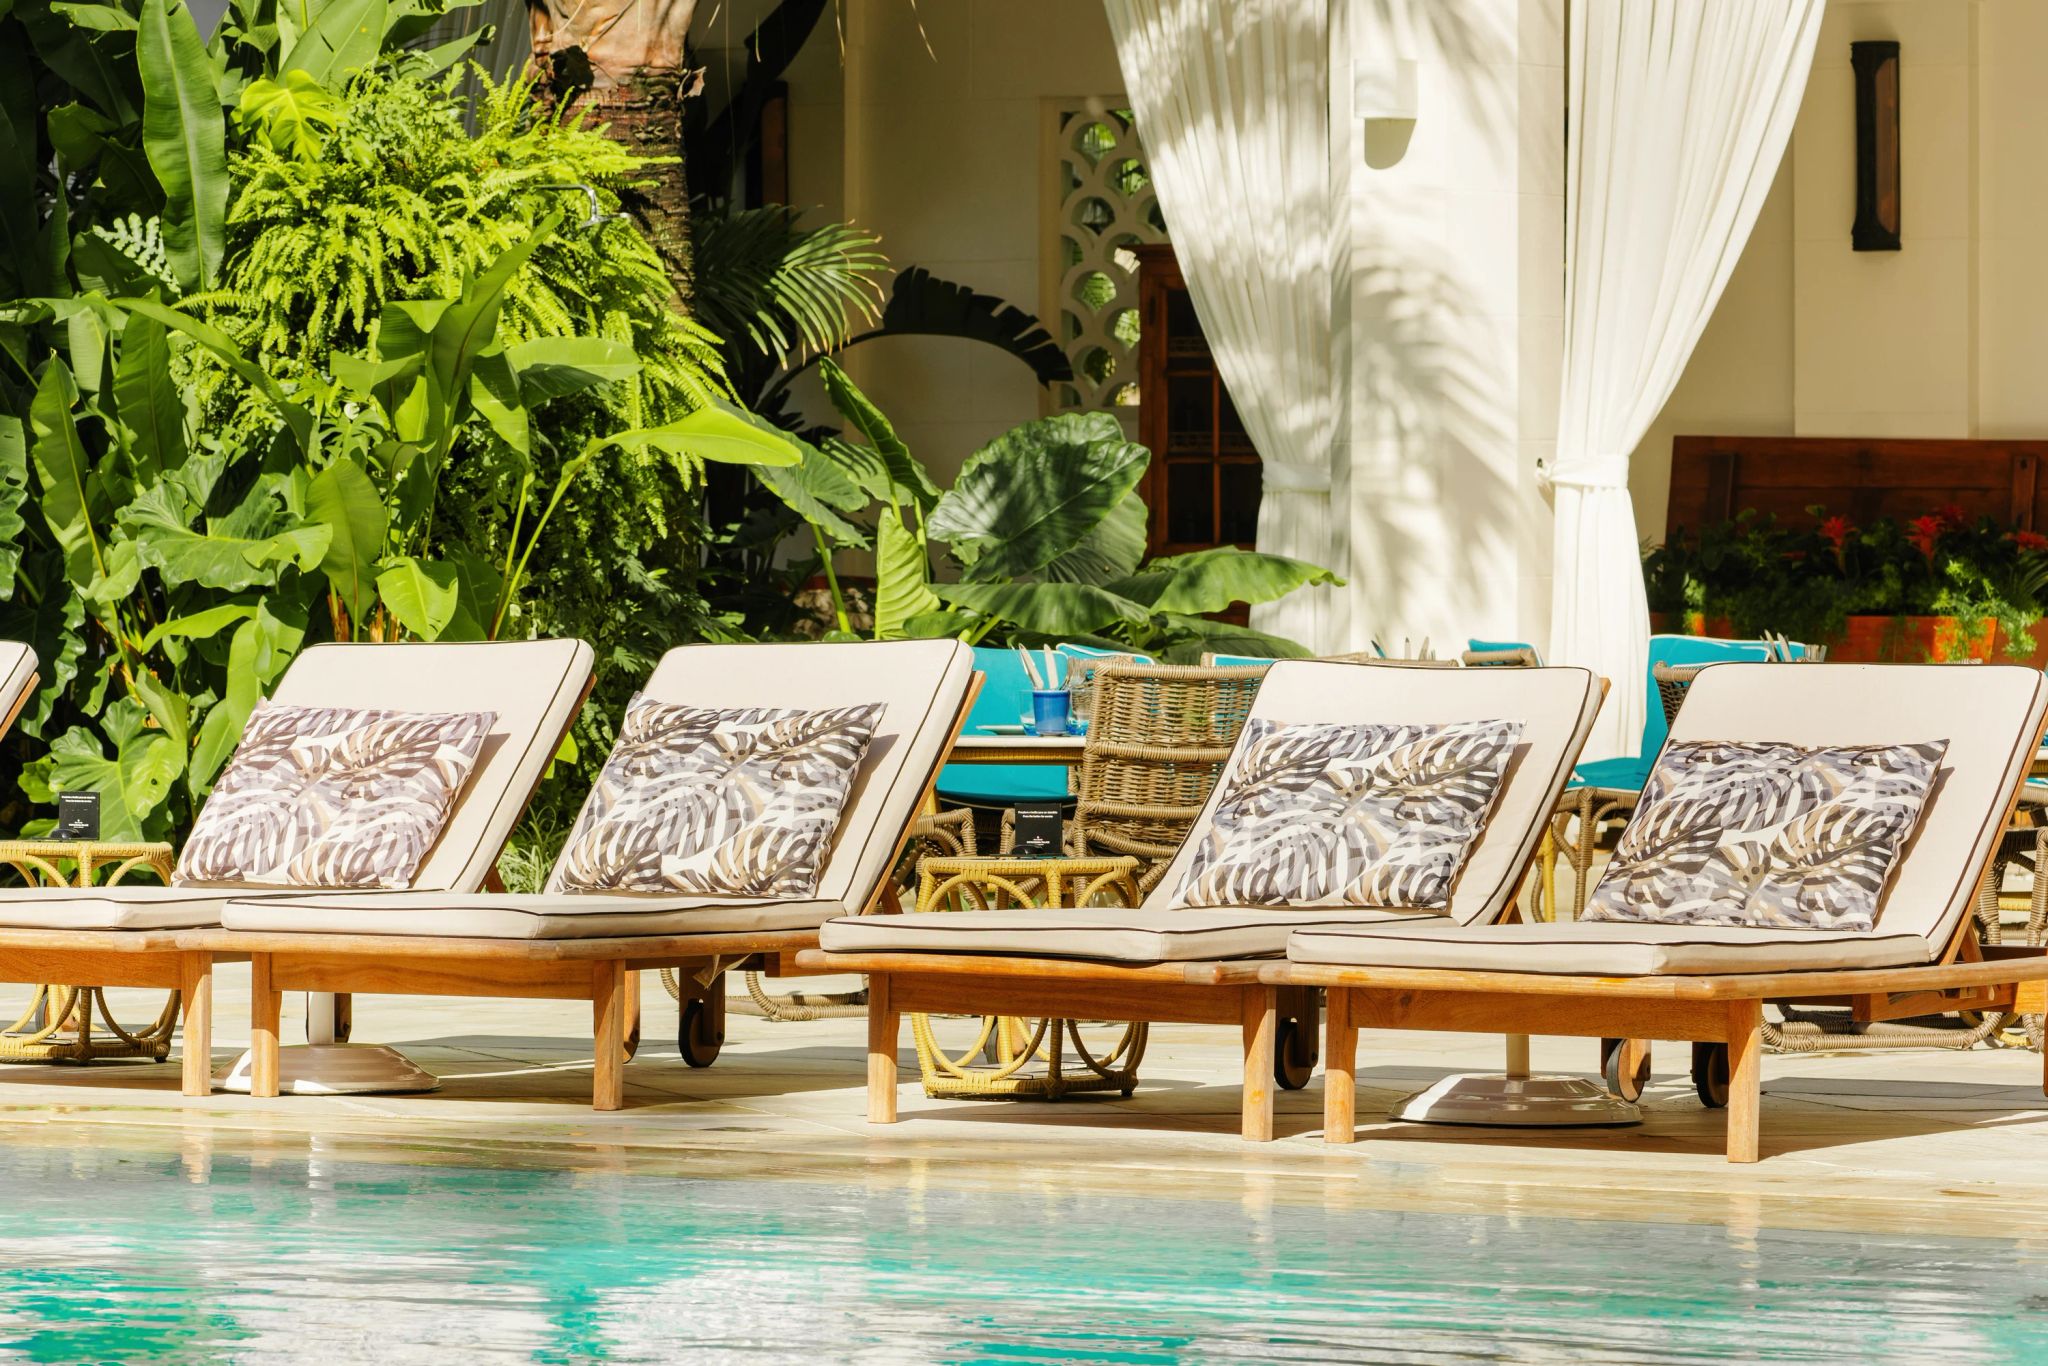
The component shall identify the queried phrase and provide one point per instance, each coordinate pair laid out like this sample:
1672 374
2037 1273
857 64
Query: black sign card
1038 832
78 816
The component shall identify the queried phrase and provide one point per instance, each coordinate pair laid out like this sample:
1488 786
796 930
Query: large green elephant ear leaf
1198 636
1215 580
1111 551
1057 611
246 548
1036 493
132 782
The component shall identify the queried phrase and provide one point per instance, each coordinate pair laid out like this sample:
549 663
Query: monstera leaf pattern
717 803
1330 815
1767 835
332 797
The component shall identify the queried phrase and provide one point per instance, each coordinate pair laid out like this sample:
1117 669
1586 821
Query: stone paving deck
1902 1140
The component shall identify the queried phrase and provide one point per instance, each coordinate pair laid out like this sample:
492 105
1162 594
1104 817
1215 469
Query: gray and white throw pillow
1767 835
712 802
332 797
1336 815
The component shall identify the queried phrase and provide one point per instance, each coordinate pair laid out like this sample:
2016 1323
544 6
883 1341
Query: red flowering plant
1763 575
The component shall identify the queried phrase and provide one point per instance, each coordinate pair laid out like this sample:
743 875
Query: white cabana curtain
1232 103
1679 113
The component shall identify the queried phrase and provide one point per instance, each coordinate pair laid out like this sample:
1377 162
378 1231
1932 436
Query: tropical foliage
291 356
1761 575
1045 530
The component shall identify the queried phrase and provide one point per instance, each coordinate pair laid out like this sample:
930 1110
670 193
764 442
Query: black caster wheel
1630 1085
1710 1074
700 1032
1294 1054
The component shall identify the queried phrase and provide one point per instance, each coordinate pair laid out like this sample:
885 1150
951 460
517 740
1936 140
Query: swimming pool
121 1255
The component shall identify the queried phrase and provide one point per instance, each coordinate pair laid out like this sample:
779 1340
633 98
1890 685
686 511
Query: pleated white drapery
1232 102
1679 113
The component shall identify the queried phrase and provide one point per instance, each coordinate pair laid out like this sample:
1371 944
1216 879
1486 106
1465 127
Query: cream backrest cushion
922 685
1990 714
1555 707
532 687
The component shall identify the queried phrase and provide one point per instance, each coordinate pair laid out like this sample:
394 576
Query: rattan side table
57 1026
993 1065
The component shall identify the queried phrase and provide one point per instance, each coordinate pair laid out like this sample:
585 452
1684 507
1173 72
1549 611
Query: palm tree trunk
623 62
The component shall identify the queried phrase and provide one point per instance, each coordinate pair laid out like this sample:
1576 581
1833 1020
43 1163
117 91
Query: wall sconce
1876 66
1385 94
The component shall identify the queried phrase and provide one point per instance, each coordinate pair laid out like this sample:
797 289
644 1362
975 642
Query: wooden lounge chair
1708 985
1159 963
137 936
591 946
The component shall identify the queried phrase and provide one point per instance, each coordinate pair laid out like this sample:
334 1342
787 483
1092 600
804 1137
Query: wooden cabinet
1203 483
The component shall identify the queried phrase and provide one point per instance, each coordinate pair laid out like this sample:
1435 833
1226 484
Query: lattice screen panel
1107 206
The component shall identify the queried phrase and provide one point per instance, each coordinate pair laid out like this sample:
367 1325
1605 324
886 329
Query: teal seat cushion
1005 700
1629 772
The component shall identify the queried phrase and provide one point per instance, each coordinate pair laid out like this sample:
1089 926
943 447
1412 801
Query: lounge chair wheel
1710 1074
1628 1085
1294 1054
701 1032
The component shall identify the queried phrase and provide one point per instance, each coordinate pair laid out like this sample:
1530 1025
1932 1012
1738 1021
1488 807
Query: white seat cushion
1603 948
116 908
539 915
1190 935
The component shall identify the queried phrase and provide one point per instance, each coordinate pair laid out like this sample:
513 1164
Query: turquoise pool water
128 1257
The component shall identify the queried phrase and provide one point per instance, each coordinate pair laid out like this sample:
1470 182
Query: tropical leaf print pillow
332 797
1331 815
1767 835
717 803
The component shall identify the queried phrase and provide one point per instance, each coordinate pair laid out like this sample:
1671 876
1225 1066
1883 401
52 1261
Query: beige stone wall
1457 326
1947 337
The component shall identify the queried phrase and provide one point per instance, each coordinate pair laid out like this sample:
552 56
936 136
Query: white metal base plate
337 1069
1516 1102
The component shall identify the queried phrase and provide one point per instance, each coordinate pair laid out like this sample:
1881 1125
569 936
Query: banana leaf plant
1044 529
183 581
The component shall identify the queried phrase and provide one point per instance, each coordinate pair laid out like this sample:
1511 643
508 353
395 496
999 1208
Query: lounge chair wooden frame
1222 993
1705 1008
115 958
600 971
171 960
1280 1023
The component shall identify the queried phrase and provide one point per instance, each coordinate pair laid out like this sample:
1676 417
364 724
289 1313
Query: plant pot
1913 640
1880 640
1691 624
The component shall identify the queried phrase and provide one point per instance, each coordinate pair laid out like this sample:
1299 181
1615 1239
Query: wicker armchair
1156 745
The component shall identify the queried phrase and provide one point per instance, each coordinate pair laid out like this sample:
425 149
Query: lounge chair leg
195 984
1261 1026
1340 1071
608 1021
266 1003
885 1024
1745 1078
